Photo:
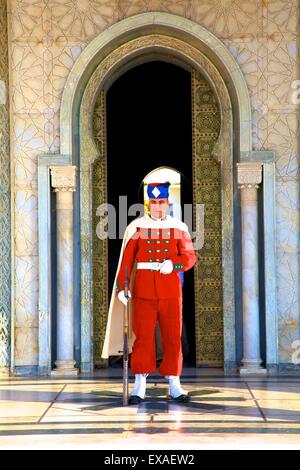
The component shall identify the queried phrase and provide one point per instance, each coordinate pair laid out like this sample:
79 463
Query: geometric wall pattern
207 191
5 220
100 247
46 38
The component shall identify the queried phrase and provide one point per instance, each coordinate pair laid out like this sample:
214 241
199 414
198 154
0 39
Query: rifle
125 342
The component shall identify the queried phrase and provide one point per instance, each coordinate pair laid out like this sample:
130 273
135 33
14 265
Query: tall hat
158 190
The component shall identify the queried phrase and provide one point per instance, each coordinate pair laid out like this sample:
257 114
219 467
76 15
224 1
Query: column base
65 368
4 372
64 372
253 371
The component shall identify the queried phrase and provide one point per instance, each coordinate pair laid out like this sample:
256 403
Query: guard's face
158 207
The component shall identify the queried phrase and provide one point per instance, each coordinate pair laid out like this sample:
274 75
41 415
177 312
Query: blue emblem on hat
158 190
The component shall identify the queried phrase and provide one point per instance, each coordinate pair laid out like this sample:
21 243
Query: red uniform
157 296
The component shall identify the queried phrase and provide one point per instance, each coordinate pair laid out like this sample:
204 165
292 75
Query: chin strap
157 220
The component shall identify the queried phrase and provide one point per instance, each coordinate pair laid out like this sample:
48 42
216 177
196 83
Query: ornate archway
122 58
125 44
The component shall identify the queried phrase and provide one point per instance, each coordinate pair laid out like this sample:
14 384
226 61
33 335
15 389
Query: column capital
63 178
249 175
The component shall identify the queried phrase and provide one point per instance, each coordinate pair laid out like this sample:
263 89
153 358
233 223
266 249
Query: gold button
158 241
157 251
157 259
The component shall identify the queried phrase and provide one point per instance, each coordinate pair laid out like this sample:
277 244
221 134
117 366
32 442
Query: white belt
155 265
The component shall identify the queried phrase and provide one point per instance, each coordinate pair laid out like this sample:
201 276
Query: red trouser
144 315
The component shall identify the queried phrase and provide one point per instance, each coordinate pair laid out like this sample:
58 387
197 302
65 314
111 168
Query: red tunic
157 245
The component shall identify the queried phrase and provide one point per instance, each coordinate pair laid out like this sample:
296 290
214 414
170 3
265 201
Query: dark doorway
149 124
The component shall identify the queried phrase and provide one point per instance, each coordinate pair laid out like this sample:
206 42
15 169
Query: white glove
123 298
166 267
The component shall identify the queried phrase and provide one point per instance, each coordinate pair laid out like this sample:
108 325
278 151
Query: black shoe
181 399
134 400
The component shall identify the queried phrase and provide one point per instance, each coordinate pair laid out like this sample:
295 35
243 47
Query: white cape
113 342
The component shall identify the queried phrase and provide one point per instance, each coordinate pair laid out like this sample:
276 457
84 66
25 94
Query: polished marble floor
224 412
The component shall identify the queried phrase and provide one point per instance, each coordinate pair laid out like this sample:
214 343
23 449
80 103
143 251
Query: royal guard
155 249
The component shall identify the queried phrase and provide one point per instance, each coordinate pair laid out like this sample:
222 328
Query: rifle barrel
125 343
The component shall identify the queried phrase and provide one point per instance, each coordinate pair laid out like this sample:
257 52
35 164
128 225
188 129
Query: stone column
249 178
63 180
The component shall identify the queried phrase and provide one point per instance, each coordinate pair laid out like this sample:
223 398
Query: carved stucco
63 178
249 173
